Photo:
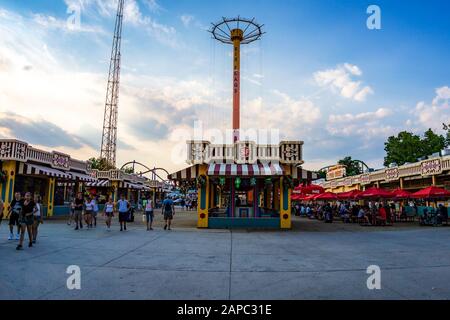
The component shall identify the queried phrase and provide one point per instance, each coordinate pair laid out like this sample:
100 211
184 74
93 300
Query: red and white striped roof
260 169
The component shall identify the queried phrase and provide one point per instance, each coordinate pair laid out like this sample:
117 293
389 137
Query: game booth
251 187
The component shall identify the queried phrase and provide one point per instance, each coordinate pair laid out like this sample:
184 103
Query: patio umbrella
295 197
401 194
431 193
349 194
311 189
327 196
375 193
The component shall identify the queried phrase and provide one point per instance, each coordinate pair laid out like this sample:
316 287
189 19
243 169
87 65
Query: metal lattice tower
109 137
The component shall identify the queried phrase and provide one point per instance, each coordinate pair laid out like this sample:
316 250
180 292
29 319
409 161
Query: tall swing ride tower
236 31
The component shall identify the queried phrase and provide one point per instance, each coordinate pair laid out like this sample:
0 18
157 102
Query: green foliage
408 147
100 164
321 174
128 170
446 127
432 142
352 167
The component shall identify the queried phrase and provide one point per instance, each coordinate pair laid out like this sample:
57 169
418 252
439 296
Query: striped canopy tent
260 169
34 169
99 184
131 185
190 173
82 177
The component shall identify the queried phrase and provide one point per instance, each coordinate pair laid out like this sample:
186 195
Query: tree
352 167
405 147
408 147
432 142
100 164
128 170
446 127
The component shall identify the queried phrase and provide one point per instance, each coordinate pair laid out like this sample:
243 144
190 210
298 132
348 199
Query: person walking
124 208
149 215
26 220
88 211
95 212
109 212
78 203
15 211
168 210
37 216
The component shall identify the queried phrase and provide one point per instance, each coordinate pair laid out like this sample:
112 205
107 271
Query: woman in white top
88 210
38 216
109 212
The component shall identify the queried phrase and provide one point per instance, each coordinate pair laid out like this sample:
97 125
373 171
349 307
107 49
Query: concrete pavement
187 263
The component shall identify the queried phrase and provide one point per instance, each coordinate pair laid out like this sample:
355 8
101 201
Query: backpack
168 207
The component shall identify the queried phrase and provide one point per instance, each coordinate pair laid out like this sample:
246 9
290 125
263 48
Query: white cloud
365 125
186 19
340 80
365 116
435 114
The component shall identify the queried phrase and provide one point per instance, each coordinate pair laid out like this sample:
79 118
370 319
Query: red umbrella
307 198
375 193
431 193
311 189
401 194
327 196
349 194
295 197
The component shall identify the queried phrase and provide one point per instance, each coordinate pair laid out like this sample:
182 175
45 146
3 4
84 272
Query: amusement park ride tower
236 31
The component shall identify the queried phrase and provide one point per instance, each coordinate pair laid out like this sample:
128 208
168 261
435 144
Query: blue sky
318 74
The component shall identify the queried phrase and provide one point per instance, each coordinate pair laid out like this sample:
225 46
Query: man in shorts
124 209
168 210
14 213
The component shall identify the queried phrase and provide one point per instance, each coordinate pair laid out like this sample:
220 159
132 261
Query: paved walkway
187 263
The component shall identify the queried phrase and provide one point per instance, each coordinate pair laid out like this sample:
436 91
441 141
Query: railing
16 150
407 170
244 152
39 155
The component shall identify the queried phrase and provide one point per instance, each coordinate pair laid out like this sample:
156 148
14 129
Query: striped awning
261 169
130 185
185 174
82 177
34 169
99 183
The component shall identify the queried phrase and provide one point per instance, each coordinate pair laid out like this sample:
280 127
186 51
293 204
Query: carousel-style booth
242 185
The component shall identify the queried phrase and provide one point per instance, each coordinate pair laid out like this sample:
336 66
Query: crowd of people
372 213
26 214
86 209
